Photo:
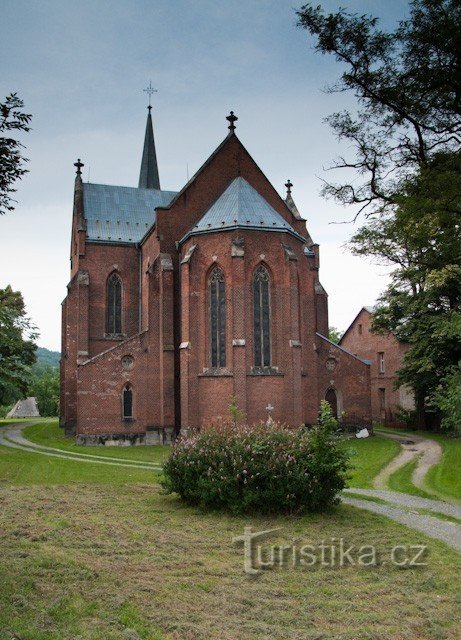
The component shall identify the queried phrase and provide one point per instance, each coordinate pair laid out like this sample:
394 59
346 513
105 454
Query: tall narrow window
381 361
127 401
217 289
114 305
262 317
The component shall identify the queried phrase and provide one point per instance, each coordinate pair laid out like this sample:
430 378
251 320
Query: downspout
140 287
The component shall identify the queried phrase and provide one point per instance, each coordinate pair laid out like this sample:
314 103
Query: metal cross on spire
150 90
288 185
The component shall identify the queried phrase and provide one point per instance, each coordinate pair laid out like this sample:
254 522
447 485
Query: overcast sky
81 66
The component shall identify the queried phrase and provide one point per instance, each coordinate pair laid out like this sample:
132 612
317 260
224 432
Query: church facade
180 304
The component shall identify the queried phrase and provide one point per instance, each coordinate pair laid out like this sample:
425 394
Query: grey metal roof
121 214
241 207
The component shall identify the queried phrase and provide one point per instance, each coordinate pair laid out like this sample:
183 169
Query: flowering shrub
262 468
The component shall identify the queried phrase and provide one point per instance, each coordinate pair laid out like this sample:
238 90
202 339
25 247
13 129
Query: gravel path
11 436
411 502
428 451
447 532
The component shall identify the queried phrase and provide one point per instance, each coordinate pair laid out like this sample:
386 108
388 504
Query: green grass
369 456
23 468
94 562
443 479
400 480
50 434
95 551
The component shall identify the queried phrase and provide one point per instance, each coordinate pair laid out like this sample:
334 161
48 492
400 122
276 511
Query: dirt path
428 451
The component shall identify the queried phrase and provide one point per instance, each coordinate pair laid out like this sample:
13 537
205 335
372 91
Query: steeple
148 176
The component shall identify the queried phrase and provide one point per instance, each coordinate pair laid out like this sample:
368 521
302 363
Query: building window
332 400
217 289
114 305
381 361
360 329
262 317
127 401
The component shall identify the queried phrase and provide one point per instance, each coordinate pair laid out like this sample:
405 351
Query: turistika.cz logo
333 553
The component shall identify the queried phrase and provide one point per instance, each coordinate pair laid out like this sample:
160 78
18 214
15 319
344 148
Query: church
182 303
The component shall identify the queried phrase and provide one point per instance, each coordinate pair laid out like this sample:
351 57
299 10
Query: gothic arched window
217 294
114 305
262 317
127 401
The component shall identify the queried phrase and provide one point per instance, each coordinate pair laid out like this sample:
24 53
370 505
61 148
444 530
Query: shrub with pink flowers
264 468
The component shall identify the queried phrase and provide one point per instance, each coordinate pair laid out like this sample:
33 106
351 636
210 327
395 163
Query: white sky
81 66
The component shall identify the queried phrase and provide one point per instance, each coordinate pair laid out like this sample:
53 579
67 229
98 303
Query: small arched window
114 305
127 401
332 399
217 293
262 317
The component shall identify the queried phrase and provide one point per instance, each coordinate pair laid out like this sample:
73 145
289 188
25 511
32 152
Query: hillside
47 358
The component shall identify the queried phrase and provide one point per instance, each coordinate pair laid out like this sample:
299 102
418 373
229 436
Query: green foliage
237 416
11 160
46 358
422 305
45 388
17 347
334 334
407 87
448 400
264 468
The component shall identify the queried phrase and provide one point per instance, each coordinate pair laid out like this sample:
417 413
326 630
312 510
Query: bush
266 468
448 400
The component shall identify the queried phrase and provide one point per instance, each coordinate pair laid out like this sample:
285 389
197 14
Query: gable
240 206
228 162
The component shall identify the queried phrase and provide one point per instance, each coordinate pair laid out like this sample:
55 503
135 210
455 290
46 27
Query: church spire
148 176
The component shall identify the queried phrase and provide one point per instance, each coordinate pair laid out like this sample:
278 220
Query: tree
422 305
408 88
17 346
334 334
45 388
11 159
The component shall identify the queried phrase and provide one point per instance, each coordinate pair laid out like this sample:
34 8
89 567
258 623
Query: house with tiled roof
179 302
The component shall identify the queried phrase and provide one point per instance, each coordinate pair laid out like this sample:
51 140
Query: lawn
96 561
444 479
94 551
368 457
401 481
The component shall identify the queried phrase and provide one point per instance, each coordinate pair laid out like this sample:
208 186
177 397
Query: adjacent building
385 354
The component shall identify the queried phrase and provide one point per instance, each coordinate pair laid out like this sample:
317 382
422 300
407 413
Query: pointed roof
148 176
241 207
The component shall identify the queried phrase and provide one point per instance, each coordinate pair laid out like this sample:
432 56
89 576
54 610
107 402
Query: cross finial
288 185
79 166
150 90
231 118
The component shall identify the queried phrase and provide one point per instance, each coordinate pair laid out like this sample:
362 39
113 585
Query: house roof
368 309
240 206
121 214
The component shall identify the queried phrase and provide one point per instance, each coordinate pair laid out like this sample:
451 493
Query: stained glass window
217 294
262 317
114 305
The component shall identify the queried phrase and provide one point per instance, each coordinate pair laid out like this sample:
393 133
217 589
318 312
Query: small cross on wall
269 410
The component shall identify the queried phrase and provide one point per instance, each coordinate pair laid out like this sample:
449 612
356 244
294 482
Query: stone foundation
153 436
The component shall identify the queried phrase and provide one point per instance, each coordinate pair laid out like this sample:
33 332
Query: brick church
179 302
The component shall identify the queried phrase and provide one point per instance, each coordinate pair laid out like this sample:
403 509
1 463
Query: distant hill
47 358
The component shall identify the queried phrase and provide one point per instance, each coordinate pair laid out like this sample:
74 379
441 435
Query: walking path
12 437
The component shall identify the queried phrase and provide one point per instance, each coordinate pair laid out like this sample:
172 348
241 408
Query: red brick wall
368 345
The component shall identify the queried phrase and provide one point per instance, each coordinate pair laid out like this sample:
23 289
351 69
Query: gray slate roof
121 214
241 207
